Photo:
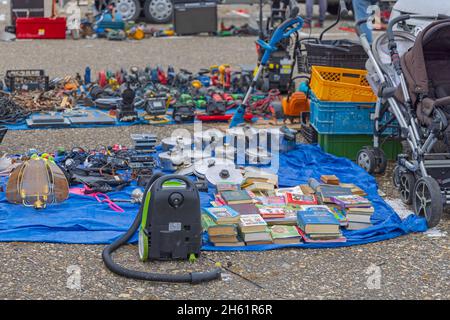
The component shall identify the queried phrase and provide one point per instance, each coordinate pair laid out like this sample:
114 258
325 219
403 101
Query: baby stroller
411 77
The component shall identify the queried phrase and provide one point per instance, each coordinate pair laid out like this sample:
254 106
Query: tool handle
283 31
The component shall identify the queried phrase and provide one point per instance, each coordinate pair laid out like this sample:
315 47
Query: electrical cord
11 112
193 277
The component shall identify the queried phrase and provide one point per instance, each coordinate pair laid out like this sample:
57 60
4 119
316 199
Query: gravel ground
415 266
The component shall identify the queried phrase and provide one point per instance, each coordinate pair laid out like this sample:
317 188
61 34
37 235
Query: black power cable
11 112
194 277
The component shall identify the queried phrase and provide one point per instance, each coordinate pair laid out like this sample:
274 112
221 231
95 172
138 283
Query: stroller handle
404 17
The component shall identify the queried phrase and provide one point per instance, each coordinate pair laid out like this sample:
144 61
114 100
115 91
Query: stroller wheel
428 200
407 182
396 177
366 159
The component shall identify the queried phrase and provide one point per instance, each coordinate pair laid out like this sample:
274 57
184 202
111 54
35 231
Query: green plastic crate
348 146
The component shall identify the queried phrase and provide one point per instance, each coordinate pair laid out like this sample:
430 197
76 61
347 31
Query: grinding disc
223 174
201 166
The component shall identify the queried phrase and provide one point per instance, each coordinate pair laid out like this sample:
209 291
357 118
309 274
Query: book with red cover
297 200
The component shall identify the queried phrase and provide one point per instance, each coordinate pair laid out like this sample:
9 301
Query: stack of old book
317 223
358 210
241 201
296 200
259 181
325 192
330 179
221 225
253 230
282 234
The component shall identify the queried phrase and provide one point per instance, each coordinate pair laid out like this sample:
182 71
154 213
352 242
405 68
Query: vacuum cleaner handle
159 182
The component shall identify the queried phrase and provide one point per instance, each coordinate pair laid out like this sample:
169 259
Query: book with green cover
339 214
207 222
236 197
285 234
215 229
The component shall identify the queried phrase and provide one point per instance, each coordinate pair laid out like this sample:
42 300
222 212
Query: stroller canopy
426 66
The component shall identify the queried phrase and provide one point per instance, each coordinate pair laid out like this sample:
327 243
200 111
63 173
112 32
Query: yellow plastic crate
340 84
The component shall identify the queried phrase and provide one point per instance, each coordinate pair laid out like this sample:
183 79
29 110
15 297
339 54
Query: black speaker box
195 17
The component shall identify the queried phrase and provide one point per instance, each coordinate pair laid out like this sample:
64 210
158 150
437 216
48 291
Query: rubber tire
434 213
150 18
137 3
370 157
143 246
409 179
382 164
396 177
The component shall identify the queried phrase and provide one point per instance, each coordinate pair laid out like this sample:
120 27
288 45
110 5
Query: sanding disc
201 166
223 174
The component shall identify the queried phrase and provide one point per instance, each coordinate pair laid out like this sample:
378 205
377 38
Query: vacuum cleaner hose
194 277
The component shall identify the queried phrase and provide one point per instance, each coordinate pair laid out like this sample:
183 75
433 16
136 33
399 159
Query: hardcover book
357 225
351 201
285 234
327 192
308 239
252 223
317 219
330 179
236 197
296 200
361 218
222 215
271 212
273 201
245 208
290 218
257 236
282 191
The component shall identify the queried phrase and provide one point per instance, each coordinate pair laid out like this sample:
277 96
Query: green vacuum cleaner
169 225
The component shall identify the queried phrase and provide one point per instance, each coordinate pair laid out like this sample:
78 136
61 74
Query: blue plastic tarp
83 220
94 112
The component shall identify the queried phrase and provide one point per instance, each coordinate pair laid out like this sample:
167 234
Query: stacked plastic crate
342 111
